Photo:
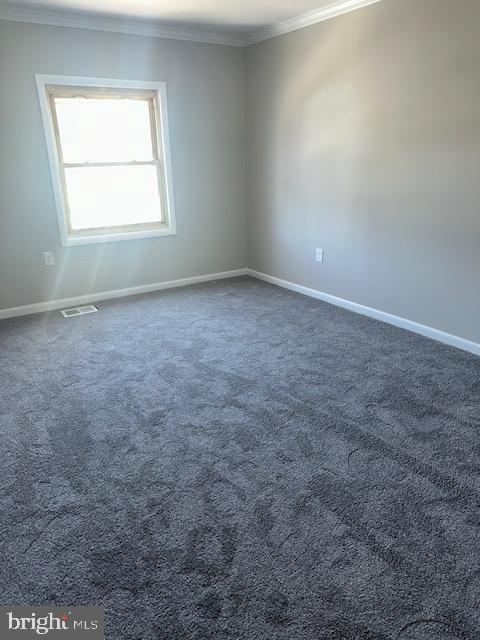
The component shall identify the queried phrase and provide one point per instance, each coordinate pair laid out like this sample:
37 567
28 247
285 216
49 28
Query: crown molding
154 29
305 20
135 27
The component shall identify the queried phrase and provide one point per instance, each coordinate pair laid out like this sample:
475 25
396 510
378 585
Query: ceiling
236 18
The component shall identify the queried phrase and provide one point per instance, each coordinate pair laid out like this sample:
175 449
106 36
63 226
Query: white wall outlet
48 258
318 255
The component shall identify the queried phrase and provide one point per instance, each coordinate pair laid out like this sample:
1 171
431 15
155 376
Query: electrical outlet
48 258
319 255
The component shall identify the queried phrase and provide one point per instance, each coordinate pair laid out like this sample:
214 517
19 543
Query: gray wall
206 112
364 139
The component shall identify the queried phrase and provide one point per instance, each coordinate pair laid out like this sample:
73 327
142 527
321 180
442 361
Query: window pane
112 196
110 130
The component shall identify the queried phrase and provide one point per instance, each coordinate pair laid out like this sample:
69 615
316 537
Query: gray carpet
235 461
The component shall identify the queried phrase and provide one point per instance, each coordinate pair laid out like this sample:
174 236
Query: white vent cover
78 311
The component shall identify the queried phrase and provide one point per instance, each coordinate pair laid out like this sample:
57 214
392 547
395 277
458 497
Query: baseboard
403 323
76 301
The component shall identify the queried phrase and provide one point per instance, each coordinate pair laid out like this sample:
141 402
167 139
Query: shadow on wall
364 135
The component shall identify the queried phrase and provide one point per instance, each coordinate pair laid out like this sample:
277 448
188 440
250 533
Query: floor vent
78 311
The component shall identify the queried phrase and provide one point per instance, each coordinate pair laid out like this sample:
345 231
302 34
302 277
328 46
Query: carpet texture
233 461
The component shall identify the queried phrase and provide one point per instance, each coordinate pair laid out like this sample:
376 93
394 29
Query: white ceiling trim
312 17
148 28
154 29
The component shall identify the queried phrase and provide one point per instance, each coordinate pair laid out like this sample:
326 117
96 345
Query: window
108 148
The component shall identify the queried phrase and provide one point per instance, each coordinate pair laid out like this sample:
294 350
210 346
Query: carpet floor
233 461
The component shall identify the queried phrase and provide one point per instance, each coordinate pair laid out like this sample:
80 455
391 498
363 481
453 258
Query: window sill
76 240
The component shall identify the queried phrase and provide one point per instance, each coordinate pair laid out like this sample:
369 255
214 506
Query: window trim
157 92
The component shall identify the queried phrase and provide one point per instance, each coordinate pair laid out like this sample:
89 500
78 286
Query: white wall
206 113
364 140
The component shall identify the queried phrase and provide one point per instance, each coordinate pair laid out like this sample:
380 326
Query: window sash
100 93
130 163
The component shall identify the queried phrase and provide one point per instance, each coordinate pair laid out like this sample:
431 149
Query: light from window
109 150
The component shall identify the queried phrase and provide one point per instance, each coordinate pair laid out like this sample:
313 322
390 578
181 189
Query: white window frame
157 91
